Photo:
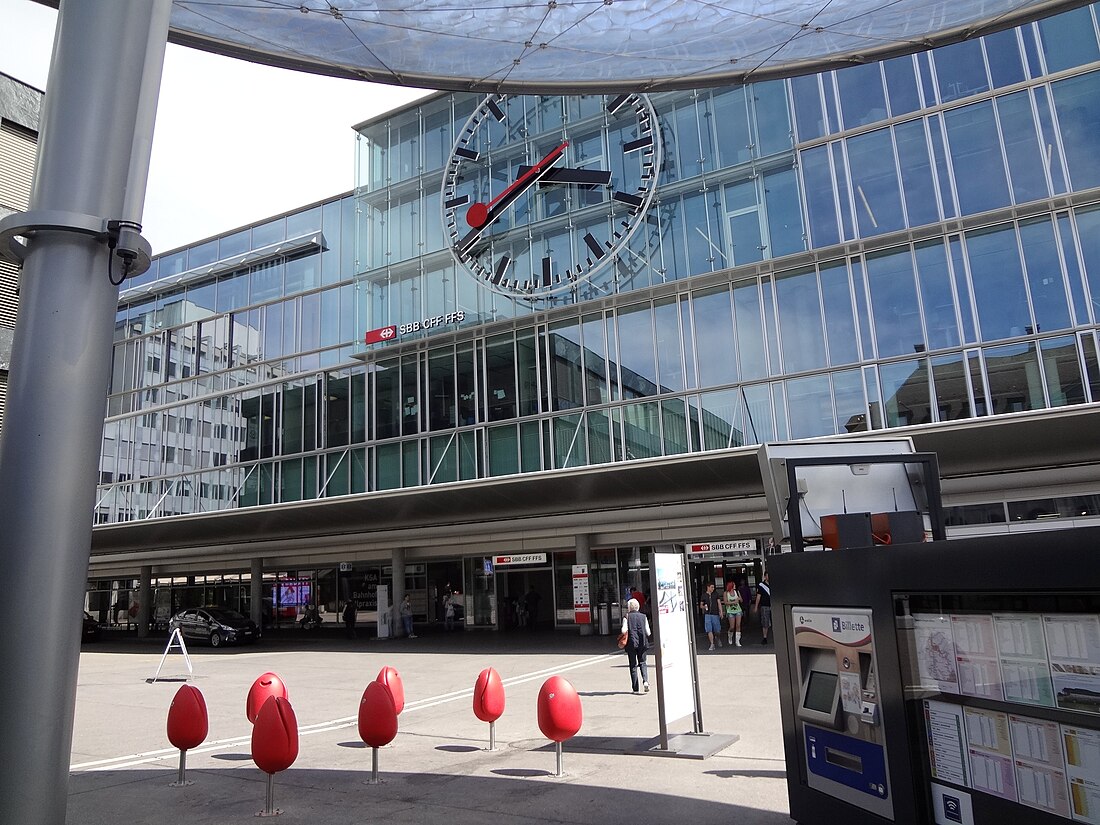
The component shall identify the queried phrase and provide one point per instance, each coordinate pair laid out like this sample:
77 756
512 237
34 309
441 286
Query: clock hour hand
480 215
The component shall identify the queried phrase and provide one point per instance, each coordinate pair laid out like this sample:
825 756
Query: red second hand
477 215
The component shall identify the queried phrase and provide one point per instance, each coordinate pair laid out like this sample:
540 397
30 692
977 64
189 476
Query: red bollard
389 677
559 713
274 744
377 722
266 685
489 701
188 725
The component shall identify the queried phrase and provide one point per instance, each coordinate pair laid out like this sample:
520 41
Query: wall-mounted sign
519 559
582 604
395 331
345 567
743 546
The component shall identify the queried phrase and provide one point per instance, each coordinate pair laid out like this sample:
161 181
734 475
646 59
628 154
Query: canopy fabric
557 46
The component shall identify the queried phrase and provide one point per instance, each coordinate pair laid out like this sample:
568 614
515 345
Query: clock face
541 193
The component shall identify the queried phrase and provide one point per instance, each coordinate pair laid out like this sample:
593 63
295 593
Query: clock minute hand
480 215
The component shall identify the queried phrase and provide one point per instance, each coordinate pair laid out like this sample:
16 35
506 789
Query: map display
935 647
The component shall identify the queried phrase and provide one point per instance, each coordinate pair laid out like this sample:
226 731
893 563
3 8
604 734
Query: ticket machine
839 723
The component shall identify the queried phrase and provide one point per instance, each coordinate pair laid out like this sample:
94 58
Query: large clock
542 194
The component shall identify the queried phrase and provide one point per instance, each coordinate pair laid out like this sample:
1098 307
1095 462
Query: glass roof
555 46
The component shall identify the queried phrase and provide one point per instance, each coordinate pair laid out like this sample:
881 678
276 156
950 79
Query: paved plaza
438 769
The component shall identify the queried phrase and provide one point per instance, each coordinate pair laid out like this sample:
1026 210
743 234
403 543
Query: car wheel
215 639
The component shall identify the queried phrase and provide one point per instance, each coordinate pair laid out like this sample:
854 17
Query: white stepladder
174 641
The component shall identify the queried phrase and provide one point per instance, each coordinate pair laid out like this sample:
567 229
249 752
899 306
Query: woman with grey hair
636 628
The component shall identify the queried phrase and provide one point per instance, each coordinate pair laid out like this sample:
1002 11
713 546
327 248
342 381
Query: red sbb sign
383 334
377 336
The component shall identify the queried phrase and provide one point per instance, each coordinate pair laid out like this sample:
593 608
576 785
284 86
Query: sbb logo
376 336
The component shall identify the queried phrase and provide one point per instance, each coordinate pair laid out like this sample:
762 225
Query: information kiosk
950 682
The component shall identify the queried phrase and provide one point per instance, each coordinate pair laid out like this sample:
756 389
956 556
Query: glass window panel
976 158
387 467
779 408
642 430
773 120
901 84
1092 364
817 180
1014 383
748 325
441 388
201 300
1026 163
894 304
862 97
236 244
599 437
311 321
443 459
808 113
232 292
831 114
503 450
863 314
786 234
960 70
732 116
500 377
999 292
758 414
267 281
268 233
714 338
849 400
840 324
1005 62
530 447
638 359
566 366
771 329
674 426
905 392
1044 276
595 359
962 289
569 444
844 197
952 390
1052 152
1073 268
1069 39
810 407
875 183
387 399
720 413
917 180
943 173
938 301
1062 371
800 326
670 362
527 371
700 246
1077 102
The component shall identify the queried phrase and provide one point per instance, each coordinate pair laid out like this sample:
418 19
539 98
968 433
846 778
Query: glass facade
893 244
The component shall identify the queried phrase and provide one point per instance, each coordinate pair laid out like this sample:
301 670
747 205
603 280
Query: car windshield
222 615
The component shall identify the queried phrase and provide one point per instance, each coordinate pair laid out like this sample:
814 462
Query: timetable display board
1009 701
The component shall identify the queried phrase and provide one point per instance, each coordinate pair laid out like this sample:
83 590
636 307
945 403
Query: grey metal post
584 556
145 601
398 567
557 752
93 158
256 591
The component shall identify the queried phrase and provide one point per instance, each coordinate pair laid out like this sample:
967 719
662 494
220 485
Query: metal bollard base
558 749
182 784
269 802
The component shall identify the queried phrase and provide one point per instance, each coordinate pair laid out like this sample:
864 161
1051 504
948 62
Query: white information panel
674 653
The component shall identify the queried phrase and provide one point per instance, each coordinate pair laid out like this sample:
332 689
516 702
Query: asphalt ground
438 769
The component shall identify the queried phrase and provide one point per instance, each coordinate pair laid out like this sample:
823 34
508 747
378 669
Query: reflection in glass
1062 371
894 304
952 392
905 392
1014 384
999 292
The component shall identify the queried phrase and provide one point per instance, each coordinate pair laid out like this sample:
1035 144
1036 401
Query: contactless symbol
952 808
582 175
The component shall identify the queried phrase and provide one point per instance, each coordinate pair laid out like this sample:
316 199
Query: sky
234 142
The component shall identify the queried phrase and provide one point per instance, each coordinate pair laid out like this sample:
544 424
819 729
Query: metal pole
374 780
93 154
492 736
557 750
181 776
269 800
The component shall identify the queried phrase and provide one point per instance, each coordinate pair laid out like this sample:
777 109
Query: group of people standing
731 606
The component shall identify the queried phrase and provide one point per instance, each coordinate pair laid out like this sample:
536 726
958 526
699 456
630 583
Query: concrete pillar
256 592
398 590
584 556
145 601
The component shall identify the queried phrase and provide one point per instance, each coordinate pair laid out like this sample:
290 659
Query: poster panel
674 655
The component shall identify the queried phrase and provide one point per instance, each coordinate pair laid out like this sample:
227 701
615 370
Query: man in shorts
763 604
711 605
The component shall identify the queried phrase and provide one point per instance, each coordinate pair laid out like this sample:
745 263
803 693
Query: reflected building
910 247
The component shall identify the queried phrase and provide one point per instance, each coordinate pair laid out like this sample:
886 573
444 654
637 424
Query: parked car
217 625
90 631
